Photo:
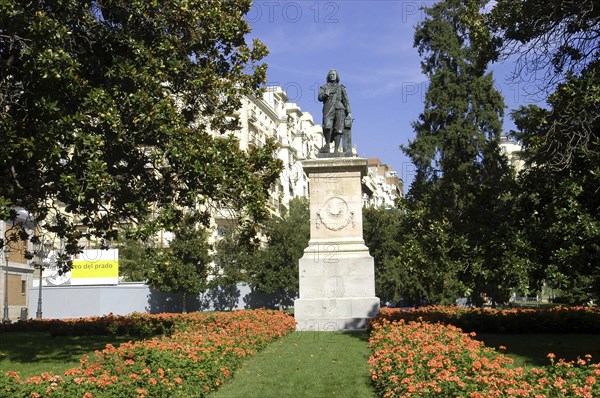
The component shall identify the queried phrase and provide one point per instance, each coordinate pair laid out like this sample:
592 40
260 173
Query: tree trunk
231 297
183 307
280 299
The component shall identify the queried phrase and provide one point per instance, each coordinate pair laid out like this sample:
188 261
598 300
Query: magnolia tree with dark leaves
117 112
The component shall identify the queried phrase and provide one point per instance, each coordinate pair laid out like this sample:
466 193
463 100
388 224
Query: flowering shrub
136 324
200 355
420 359
515 320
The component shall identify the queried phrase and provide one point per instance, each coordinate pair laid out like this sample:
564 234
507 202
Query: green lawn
303 365
530 350
32 353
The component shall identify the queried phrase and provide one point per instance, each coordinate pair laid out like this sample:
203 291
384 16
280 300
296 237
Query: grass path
303 365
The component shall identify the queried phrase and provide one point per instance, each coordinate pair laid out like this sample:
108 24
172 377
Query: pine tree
463 184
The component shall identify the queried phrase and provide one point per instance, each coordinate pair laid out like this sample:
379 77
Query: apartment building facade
16 276
382 185
299 137
512 149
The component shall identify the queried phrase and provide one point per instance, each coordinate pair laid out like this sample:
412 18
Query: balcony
252 117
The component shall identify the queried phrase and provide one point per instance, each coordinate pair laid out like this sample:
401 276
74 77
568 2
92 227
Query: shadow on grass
532 349
19 350
360 335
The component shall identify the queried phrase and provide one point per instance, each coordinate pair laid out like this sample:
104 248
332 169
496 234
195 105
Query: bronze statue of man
337 115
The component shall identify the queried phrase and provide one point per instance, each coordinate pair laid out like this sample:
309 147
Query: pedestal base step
333 314
333 325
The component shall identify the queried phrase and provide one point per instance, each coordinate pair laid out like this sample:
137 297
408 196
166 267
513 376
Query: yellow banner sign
95 269
91 267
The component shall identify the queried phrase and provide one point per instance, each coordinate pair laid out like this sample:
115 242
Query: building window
23 287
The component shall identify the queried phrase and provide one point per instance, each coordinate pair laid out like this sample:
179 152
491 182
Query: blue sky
370 43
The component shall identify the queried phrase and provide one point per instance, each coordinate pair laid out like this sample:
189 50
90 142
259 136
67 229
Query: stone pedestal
337 281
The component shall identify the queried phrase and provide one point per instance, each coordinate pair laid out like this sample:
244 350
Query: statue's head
333 76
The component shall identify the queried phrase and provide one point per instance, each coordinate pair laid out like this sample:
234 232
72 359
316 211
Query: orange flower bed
198 357
421 359
514 320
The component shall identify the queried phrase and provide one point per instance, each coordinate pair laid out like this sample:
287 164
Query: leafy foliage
553 320
412 252
133 261
548 37
107 109
274 269
183 266
556 42
468 226
383 236
462 179
231 259
560 205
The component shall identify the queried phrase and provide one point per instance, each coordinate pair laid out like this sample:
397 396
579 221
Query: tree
552 37
554 41
413 253
183 266
133 260
231 259
383 234
560 205
274 269
107 109
464 187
